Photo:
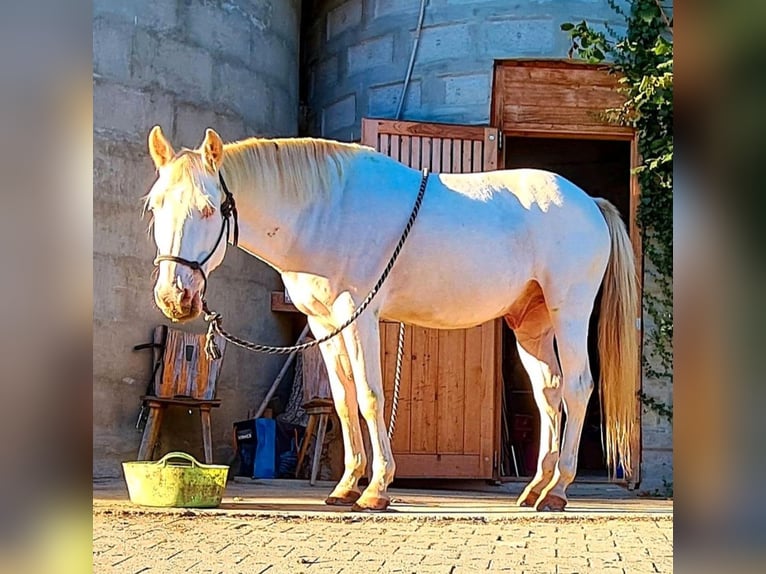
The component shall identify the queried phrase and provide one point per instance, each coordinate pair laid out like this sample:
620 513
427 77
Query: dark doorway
602 169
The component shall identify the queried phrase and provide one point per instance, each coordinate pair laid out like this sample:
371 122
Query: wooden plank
489 424
472 413
457 156
384 143
436 155
425 355
467 156
415 142
370 133
517 115
450 382
438 466
394 150
572 77
603 132
635 237
425 154
490 162
447 158
404 150
498 95
430 129
477 157
542 95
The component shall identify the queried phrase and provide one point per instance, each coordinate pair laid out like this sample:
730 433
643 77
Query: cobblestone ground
134 543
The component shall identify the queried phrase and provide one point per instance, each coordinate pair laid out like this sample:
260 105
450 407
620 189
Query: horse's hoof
551 503
528 500
371 504
346 499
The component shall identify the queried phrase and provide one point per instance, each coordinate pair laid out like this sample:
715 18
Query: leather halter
228 212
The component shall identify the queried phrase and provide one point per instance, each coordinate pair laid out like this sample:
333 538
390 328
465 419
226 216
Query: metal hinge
500 140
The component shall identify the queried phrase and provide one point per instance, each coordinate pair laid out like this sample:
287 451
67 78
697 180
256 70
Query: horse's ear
159 148
212 149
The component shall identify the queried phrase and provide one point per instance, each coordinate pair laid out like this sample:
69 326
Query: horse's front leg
362 340
341 378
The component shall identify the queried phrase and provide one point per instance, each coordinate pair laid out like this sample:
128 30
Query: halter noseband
228 210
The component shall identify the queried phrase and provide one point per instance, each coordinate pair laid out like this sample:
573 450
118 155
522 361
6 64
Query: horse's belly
447 305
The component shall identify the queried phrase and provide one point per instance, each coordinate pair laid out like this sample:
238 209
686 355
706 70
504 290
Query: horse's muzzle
179 305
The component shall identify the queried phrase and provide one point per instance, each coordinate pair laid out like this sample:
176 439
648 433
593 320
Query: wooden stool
319 410
183 376
157 408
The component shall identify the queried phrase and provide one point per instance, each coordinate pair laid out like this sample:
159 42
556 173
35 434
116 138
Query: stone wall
356 54
186 65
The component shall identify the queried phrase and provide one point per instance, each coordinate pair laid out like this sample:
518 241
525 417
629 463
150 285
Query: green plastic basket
170 483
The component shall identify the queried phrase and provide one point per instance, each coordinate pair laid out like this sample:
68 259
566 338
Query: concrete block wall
186 65
355 55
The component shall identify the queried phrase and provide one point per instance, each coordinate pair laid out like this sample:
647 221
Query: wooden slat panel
472 393
425 355
467 166
450 383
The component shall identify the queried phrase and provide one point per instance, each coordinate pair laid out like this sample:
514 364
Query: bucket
176 480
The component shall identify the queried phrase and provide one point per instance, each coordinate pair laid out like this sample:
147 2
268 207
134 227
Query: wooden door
566 99
447 419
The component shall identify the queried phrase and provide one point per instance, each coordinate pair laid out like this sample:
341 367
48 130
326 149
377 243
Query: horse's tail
618 341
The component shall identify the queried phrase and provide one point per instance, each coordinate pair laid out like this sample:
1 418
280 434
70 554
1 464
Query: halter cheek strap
228 212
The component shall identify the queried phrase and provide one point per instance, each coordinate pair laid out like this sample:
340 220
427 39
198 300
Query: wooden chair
185 377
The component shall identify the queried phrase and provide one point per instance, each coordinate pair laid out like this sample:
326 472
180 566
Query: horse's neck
288 235
274 229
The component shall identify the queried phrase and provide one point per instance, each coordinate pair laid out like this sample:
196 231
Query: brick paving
130 540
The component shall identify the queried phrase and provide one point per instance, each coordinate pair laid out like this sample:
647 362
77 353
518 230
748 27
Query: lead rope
215 319
397 379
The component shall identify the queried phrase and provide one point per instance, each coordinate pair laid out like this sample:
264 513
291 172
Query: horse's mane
298 169
295 169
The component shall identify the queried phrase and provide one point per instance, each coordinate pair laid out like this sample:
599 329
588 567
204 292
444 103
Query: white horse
523 244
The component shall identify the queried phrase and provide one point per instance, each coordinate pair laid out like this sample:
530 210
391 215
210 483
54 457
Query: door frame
572 77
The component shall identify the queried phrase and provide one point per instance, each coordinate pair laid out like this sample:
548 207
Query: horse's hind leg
339 372
571 338
534 340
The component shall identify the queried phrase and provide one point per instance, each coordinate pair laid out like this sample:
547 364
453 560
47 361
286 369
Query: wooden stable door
447 417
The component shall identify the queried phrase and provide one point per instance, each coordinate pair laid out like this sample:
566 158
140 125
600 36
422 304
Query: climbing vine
643 57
